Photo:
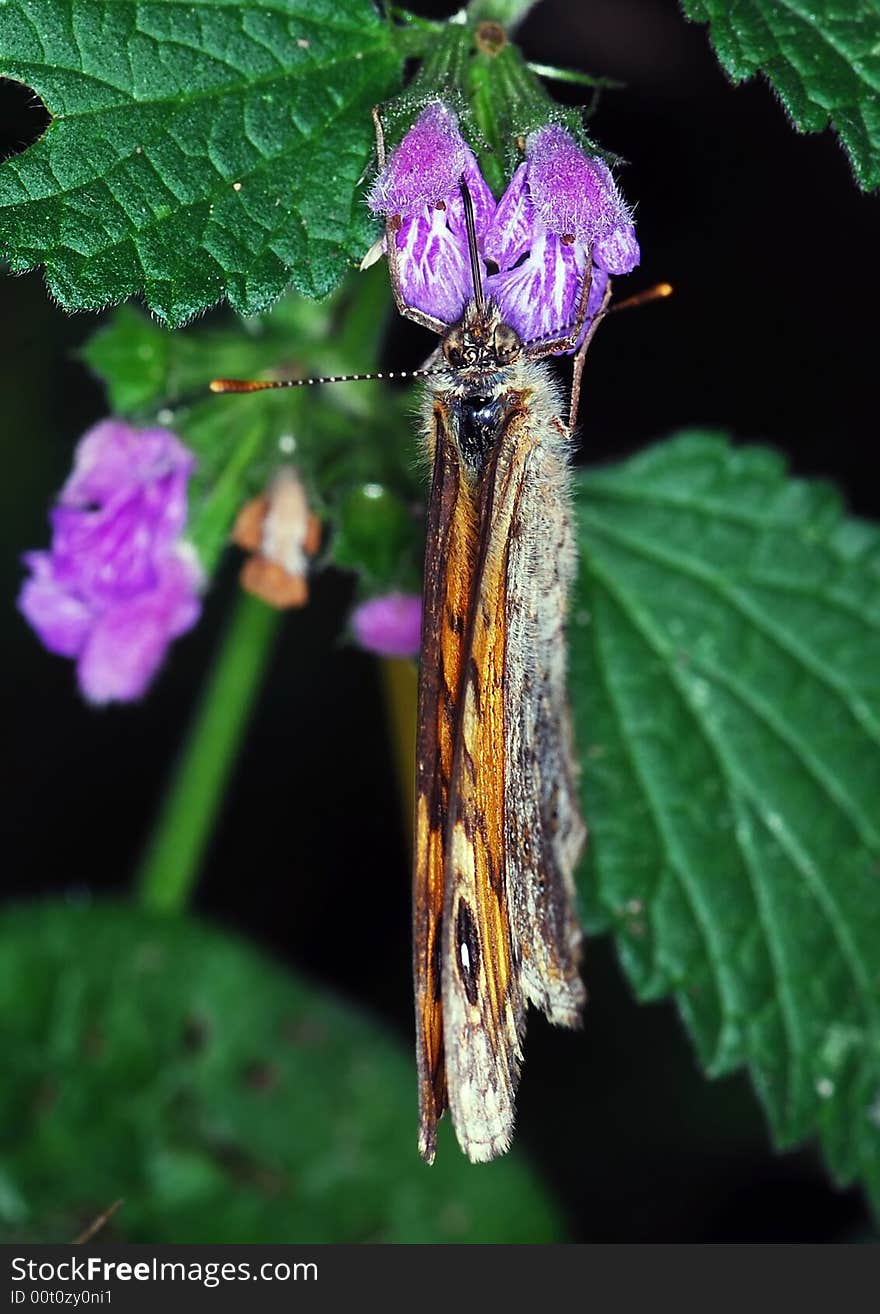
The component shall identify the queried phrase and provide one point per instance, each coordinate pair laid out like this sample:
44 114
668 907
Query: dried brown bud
281 533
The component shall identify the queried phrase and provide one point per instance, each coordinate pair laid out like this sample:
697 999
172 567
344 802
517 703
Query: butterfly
498 827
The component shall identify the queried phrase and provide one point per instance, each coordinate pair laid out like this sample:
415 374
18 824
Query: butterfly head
481 343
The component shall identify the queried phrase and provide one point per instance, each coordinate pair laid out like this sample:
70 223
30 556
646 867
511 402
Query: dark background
771 334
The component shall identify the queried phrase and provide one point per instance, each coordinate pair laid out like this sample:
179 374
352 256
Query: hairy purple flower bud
420 191
389 625
575 196
117 584
561 211
425 167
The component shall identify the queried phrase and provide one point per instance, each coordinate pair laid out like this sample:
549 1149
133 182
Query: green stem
572 75
211 524
400 678
175 851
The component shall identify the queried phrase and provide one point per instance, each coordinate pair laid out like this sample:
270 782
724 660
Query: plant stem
171 864
574 76
400 682
209 532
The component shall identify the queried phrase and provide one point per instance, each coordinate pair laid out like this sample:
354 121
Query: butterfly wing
451 529
544 829
483 1006
498 824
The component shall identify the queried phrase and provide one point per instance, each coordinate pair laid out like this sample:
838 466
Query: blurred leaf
226 1101
726 678
821 57
196 150
348 441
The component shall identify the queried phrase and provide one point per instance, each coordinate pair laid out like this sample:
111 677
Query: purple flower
117 584
421 188
390 625
574 195
560 211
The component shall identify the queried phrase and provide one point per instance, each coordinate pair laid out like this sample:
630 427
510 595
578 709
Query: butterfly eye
507 343
453 353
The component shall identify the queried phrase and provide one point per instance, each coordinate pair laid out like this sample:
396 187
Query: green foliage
726 676
196 150
822 58
352 443
224 1101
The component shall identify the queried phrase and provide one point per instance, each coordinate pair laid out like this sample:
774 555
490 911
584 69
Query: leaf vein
657 645
724 981
763 622
787 735
777 828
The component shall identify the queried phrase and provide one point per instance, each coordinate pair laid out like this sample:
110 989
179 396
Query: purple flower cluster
561 210
117 584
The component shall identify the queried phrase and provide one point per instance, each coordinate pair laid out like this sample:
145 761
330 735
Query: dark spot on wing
494 870
474 678
436 799
455 621
436 950
467 951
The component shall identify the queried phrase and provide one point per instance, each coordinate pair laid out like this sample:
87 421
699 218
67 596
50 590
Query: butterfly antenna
655 293
471 227
262 385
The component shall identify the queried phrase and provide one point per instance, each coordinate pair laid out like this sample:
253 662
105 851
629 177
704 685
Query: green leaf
821 57
197 150
726 677
223 1100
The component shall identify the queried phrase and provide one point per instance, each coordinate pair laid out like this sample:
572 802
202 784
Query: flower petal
573 193
122 509
390 625
112 458
539 297
432 261
127 644
421 186
60 619
598 285
117 584
618 253
508 237
484 202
